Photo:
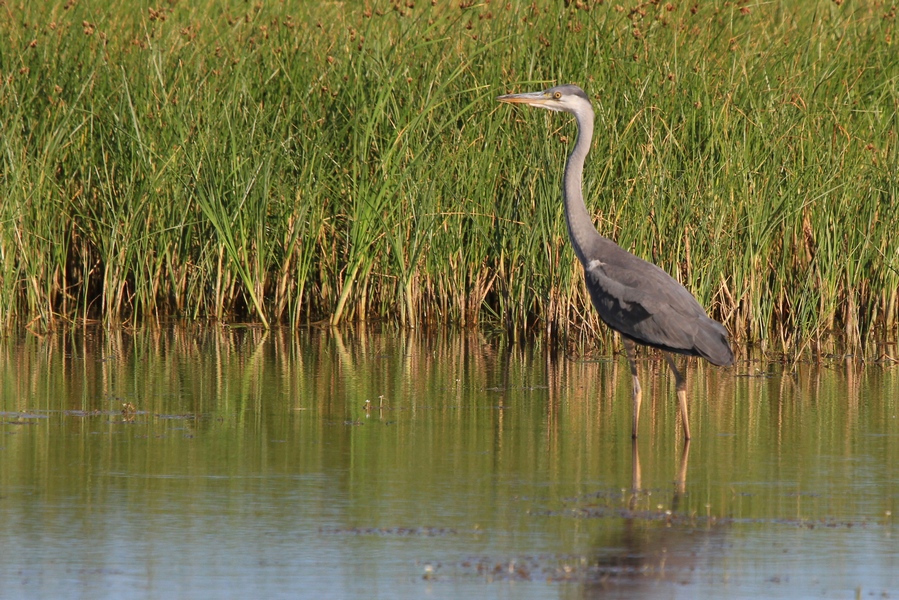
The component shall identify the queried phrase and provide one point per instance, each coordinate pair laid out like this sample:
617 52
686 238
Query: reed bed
341 162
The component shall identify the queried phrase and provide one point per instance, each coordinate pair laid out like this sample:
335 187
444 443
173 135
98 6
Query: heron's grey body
637 299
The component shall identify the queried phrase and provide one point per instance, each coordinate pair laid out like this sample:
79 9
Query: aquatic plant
296 164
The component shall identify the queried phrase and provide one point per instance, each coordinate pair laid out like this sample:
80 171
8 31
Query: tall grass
346 161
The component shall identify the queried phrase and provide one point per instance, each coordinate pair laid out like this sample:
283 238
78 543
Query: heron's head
564 98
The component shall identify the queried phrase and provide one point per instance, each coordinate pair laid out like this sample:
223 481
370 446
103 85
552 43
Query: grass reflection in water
395 464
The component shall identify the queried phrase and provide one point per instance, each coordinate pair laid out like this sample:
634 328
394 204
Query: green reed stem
307 163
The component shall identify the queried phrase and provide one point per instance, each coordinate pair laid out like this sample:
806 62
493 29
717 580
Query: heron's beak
532 98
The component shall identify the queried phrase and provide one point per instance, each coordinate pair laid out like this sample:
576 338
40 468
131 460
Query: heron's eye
557 95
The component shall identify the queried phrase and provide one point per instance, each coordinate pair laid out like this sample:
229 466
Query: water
201 463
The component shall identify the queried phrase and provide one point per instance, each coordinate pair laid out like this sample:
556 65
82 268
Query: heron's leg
629 349
680 383
682 472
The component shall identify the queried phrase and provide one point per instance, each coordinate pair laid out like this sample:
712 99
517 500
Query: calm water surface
234 463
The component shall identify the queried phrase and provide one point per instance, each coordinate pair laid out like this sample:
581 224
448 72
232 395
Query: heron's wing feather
641 301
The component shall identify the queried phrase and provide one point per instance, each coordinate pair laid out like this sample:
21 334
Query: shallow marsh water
237 463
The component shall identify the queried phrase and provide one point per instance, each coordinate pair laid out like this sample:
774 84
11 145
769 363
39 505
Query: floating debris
16 418
389 531
128 412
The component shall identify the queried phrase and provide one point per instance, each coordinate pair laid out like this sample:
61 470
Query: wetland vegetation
345 161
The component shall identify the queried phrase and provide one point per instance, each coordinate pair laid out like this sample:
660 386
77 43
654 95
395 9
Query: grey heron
640 301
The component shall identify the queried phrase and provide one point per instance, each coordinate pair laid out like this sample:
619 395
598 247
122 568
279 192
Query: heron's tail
712 344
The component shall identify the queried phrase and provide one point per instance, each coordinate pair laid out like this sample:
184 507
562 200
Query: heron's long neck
580 226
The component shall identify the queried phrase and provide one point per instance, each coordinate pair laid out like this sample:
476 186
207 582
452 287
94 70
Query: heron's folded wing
641 301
